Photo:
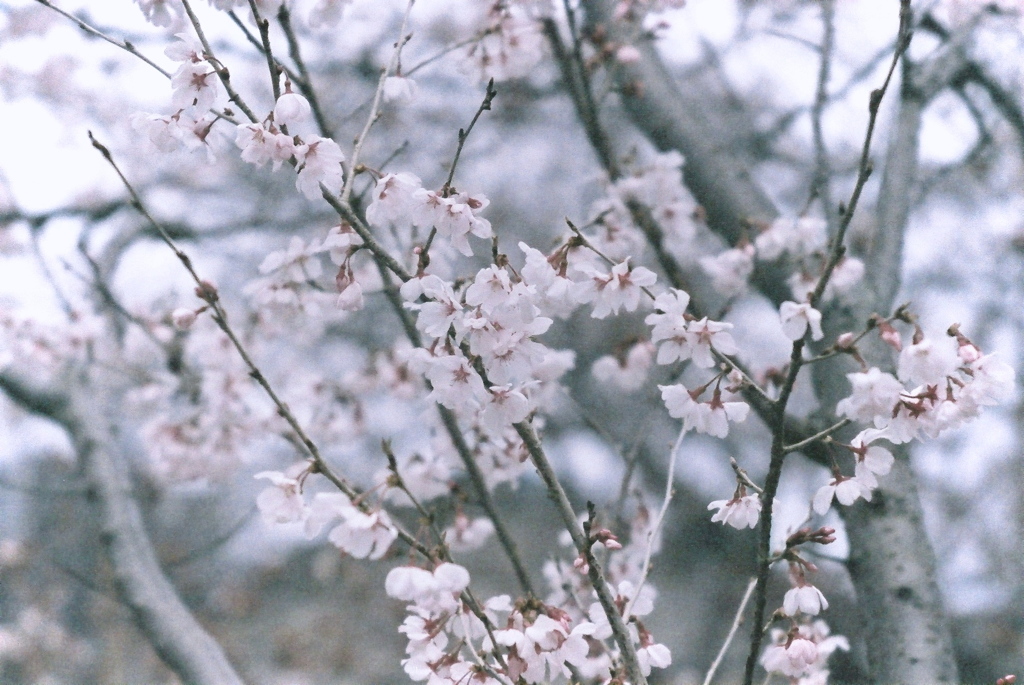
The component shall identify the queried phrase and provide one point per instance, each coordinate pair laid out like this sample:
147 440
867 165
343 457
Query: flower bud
183 318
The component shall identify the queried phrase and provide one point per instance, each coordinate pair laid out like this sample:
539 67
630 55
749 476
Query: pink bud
890 336
183 318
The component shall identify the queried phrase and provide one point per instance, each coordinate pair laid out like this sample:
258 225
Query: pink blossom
704 335
794 659
283 501
399 89
183 318
466 535
393 199
620 289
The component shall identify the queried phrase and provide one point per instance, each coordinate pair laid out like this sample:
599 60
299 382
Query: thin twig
822 186
670 481
123 44
284 18
476 476
485 106
205 291
736 621
275 70
396 55
795 447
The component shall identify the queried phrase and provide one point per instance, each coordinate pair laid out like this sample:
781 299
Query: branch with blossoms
478 371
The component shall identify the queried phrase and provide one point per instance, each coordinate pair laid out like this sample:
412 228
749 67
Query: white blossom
619 289
845 490
796 318
739 512
319 163
805 599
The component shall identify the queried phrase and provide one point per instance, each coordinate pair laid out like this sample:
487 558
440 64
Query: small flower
796 318
620 289
291 109
283 501
805 599
793 659
874 396
730 270
846 490
929 361
738 512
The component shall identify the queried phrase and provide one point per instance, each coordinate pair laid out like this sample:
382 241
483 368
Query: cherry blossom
628 373
805 599
183 318
509 47
435 591
801 237
360 534
654 656
260 145
705 335
456 383
875 395
393 200
454 217
739 512
797 318
319 162
845 490
283 501
426 474
555 293
291 108
929 361
705 417
164 13
399 89
506 407
610 292
872 460
326 14
793 659
466 535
